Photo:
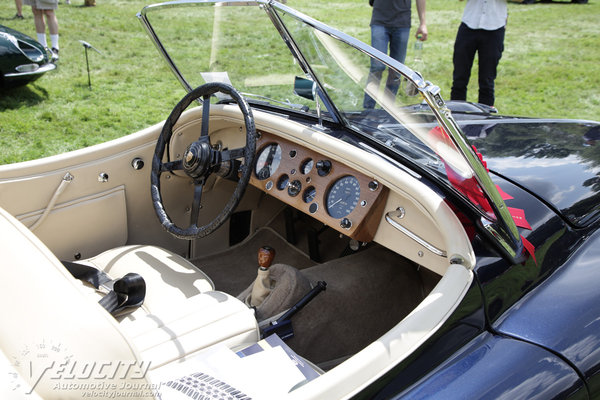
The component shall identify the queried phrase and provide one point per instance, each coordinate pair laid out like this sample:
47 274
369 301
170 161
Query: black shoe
17 16
54 51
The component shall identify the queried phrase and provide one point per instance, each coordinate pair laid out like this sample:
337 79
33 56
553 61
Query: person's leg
40 25
464 53
52 21
19 5
398 44
379 40
53 29
490 52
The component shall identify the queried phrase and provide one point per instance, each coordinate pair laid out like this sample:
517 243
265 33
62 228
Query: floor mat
367 294
234 270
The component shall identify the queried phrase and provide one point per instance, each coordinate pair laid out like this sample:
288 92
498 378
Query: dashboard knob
137 163
346 223
323 167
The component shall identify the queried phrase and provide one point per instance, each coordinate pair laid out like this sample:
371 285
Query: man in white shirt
481 31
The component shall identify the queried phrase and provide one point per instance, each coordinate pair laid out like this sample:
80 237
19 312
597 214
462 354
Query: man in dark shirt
390 27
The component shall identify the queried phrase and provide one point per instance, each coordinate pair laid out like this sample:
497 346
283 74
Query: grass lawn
549 69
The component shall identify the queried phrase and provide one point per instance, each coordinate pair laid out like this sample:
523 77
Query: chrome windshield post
503 229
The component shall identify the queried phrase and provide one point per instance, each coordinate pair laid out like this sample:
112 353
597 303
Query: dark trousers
489 45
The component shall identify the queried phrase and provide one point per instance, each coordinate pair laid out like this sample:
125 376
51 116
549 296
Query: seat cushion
181 313
167 275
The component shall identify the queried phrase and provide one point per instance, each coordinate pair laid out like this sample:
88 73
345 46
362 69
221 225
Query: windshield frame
500 226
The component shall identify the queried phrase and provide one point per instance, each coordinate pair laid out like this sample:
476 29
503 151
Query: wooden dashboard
340 197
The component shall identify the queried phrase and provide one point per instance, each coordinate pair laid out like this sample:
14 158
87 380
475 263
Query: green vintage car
22 59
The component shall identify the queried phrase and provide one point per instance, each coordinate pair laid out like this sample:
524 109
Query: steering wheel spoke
230 155
171 166
201 160
196 204
205 115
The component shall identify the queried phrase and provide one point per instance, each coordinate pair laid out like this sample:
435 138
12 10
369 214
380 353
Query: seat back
63 344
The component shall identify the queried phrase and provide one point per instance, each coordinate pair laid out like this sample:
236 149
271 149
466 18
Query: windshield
264 49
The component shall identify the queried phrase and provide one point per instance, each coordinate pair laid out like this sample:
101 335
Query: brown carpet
367 294
234 270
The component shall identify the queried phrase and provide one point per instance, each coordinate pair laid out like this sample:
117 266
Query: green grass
549 69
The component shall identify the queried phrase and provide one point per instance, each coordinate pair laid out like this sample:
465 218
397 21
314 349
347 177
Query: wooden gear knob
266 255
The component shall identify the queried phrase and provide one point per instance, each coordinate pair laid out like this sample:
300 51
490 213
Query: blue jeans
381 38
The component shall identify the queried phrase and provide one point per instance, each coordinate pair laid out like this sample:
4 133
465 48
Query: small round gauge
294 188
309 194
268 161
307 166
282 182
343 196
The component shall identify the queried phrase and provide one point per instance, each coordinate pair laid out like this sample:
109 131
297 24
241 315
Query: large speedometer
343 196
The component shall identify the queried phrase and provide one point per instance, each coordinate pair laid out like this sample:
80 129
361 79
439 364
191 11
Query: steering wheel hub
197 159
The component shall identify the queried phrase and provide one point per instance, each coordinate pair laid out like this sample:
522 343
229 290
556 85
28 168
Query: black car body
526 340
22 59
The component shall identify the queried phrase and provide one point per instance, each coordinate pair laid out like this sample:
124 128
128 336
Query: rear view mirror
305 88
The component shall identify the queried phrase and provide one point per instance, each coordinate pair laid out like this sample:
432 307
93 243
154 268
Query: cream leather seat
169 277
45 310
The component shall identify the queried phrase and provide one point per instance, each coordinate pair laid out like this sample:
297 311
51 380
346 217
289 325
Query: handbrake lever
282 326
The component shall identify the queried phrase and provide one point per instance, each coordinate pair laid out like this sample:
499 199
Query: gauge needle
337 201
272 151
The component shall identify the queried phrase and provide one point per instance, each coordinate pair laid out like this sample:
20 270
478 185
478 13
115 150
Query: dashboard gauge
282 182
294 188
343 196
309 194
268 161
307 166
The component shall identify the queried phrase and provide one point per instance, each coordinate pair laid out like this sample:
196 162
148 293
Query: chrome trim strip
159 46
413 236
41 70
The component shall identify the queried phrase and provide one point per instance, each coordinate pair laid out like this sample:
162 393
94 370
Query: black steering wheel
201 159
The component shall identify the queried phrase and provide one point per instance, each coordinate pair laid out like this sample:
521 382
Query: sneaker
17 16
54 51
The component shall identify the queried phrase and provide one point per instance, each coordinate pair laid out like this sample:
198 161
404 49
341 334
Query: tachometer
268 161
343 196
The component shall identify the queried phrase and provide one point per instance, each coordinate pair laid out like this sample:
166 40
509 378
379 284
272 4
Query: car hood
556 160
15 45
9 37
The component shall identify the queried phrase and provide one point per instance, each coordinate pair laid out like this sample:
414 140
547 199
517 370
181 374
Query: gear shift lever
262 284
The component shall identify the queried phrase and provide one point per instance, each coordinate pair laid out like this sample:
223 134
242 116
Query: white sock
42 39
54 41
